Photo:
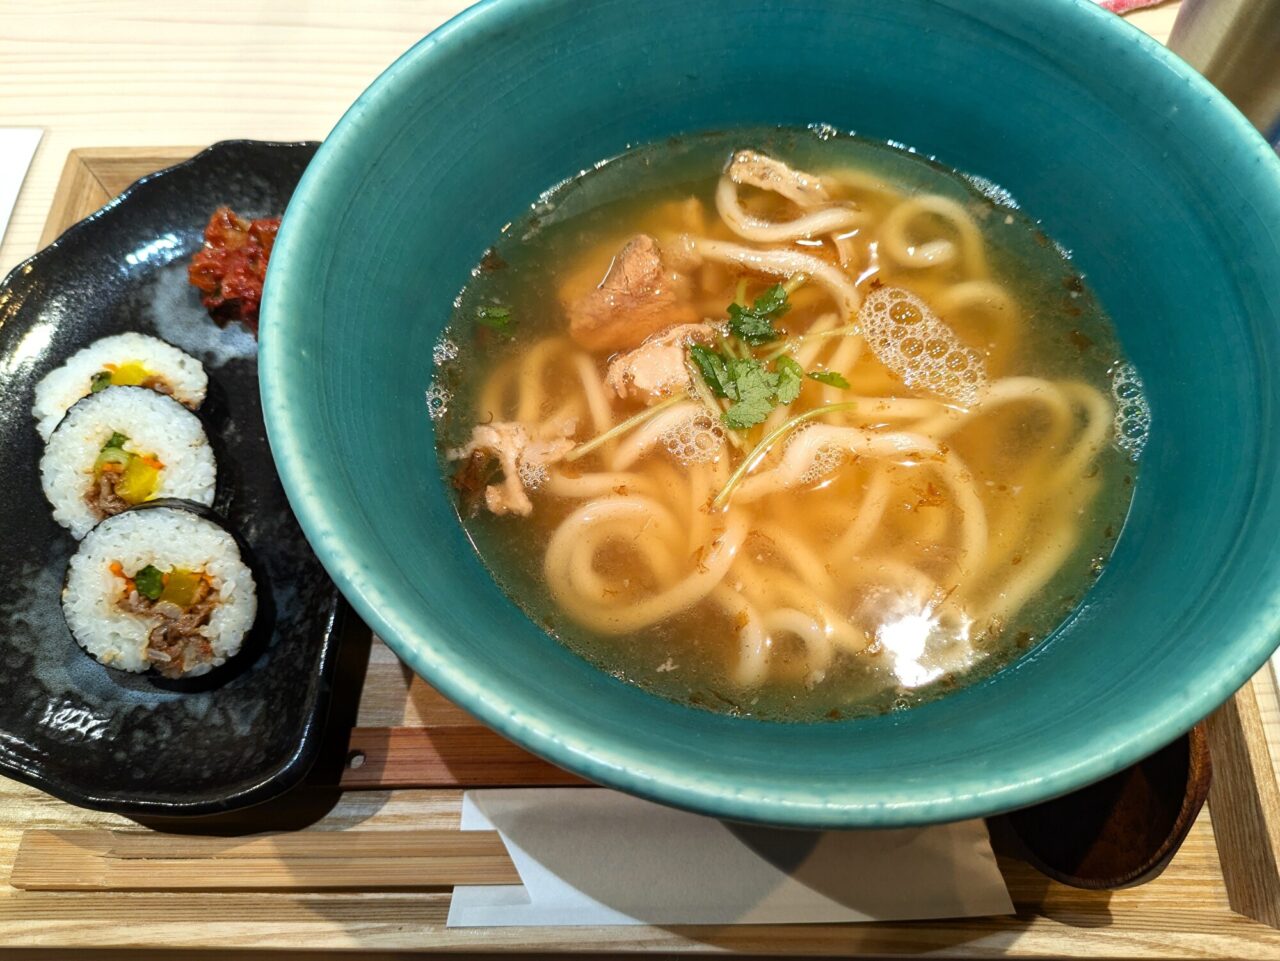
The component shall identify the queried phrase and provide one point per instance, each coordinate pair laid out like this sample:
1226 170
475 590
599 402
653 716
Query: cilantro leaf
754 324
751 327
790 380
713 369
747 413
772 302
749 378
832 378
753 387
495 315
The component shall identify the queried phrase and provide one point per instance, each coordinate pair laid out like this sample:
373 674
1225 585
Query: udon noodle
891 528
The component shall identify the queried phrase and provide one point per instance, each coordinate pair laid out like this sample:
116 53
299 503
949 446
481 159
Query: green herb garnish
99 381
754 324
768 441
832 378
713 368
634 421
116 440
790 379
754 389
149 582
495 316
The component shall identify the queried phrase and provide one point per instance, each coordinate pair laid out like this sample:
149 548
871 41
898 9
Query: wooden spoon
1121 831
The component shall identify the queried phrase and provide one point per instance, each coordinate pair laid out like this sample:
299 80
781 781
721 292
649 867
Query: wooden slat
100 860
1246 815
141 845
393 696
1267 695
115 168
466 757
93 175
79 191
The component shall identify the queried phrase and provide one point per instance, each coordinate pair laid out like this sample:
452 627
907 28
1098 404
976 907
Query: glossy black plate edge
141 184
296 767
277 783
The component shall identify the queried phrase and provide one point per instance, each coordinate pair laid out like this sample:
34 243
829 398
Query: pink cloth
1124 6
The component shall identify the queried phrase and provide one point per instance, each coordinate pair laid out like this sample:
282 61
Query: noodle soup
786 424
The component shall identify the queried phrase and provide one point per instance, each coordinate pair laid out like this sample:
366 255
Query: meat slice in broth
657 367
639 296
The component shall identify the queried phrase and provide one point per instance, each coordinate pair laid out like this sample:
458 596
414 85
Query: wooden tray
1219 898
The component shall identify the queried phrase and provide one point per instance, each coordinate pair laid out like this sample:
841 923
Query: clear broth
1061 333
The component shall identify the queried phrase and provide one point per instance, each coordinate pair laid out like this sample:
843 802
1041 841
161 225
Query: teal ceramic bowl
1170 201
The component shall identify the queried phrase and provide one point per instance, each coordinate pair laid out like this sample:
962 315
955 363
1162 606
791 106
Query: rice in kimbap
124 360
159 587
123 447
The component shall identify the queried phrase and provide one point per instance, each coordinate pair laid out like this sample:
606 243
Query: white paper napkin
598 857
17 147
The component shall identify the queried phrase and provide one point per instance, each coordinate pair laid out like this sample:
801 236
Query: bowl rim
614 765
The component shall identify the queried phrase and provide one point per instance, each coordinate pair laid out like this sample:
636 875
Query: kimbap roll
125 360
159 587
123 447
